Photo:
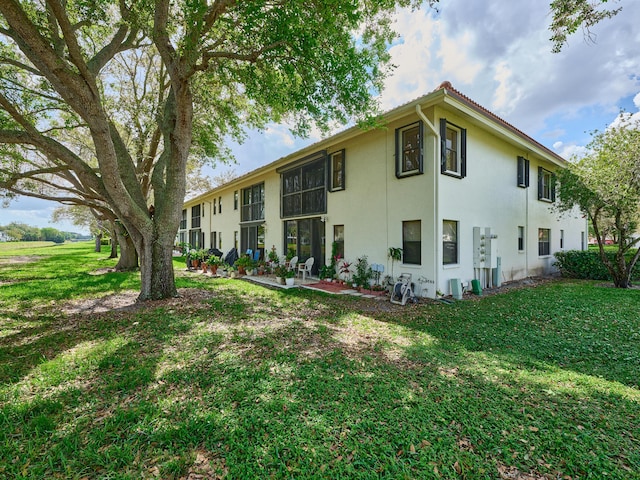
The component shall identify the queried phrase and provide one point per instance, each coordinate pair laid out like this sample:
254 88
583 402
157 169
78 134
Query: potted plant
232 271
261 267
326 272
280 272
214 262
273 256
290 277
243 264
222 268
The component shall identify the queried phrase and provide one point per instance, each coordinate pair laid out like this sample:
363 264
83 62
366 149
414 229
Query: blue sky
498 53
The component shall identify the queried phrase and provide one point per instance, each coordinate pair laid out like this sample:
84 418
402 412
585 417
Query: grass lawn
237 381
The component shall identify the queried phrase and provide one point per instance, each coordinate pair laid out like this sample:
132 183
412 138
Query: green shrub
587 265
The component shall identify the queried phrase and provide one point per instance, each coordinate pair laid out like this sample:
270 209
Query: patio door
252 237
306 237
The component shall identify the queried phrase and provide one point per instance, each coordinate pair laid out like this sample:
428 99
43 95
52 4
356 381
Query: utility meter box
485 248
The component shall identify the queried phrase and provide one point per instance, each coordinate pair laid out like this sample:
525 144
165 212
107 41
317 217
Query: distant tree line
21 232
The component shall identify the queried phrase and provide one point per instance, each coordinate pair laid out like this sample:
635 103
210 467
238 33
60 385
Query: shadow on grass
254 383
563 325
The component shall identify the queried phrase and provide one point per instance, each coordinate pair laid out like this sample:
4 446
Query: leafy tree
605 184
51 234
220 66
569 15
22 232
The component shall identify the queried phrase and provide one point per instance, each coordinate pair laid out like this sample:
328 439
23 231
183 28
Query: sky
498 53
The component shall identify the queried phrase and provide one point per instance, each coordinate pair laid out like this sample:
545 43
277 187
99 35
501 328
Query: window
252 203
219 204
214 238
291 235
338 238
521 239
235 200
582 241
546 187
449 242
220 241
409 150
183 220
544 241
453 149
337 170
523 172
194 238
215 206
412 242
304 189
195 216
561 238
235 239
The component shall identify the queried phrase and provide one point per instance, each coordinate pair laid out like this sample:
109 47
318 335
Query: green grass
240 381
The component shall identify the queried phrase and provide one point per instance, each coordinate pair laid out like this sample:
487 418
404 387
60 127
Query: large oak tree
226 65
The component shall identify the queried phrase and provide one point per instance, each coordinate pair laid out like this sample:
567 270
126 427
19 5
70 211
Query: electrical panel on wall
485 248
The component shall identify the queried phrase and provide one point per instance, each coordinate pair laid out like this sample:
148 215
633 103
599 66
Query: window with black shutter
453 149
409 159
546 185
523 172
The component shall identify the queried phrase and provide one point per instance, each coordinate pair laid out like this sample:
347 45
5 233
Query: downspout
436 156
527 233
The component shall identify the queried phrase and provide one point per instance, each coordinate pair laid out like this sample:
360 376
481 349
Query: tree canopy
103 102
570 15
605 184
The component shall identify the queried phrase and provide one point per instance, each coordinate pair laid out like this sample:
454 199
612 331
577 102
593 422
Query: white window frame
333 157
546 187
541 243
456 242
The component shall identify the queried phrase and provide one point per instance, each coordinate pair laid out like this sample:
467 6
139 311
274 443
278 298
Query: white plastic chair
293 263
306 267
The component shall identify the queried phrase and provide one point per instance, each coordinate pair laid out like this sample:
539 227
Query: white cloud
499 54
279 133
570 152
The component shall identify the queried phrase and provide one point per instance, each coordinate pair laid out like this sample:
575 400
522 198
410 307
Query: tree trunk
114 248
128 256
114 240
156 269
98 248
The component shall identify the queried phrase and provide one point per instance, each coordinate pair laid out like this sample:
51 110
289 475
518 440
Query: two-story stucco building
447 181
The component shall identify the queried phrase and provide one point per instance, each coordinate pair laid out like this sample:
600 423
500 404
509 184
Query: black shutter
540 174
521 172
553 187
463 152
443 145
398 154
